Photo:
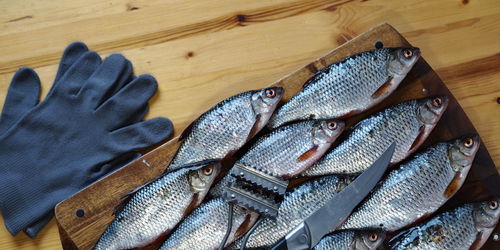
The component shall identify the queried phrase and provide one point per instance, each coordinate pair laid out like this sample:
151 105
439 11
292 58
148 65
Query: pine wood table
201 50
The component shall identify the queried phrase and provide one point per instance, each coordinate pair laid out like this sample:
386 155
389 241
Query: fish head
462 152
430 109
264 101
485 215
326 131
202 177
401 60
369 240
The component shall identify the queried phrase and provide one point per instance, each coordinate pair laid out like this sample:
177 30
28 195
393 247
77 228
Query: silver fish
417 187
348 87
289 150
206 226
352 240
407 123
297 205
465 227
226 127
155 208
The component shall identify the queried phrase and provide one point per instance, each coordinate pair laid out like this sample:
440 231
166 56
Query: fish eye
407 53
468 142
493 205
436 102
332 125
270 93
207 171
373 237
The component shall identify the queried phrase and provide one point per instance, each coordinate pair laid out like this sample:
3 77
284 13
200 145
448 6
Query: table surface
201 51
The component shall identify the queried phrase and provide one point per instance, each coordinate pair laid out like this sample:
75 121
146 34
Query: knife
328 217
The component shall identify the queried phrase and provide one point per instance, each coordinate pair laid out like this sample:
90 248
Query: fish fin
245 226
190 165
383 89
187 130
478 242
453 186
351 113
255 128
314 78
418 141
192 205
308 154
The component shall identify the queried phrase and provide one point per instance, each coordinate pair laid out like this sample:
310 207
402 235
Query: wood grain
452 34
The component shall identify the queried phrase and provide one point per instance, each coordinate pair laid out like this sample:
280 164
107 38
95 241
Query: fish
226 127
154 209
417 188
351 86
465 227
408 124
287 151
352 240
206 226
297 205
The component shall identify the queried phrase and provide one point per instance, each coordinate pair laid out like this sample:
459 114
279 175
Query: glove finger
22 96
140 135
33 229
77 74
126 77
105 80
70 55
128 101
113 165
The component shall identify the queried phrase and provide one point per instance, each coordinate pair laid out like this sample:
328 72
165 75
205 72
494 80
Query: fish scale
157 207
206 226
226 127
297 205
347 87
416 188
369 138
454 229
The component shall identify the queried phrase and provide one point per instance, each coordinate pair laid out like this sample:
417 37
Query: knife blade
308 233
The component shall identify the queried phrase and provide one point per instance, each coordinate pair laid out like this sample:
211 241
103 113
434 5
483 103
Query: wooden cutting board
83 217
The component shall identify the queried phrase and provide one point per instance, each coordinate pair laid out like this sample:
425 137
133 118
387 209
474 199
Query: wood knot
241 18
465 2
189 54
130 7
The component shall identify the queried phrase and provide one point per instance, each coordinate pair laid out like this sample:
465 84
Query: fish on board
465 227
408 124
416 188
151 211
348 87
226 127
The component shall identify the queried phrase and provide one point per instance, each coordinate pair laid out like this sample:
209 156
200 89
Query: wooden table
201 50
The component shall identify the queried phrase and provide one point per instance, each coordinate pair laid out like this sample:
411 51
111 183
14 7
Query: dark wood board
98 200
